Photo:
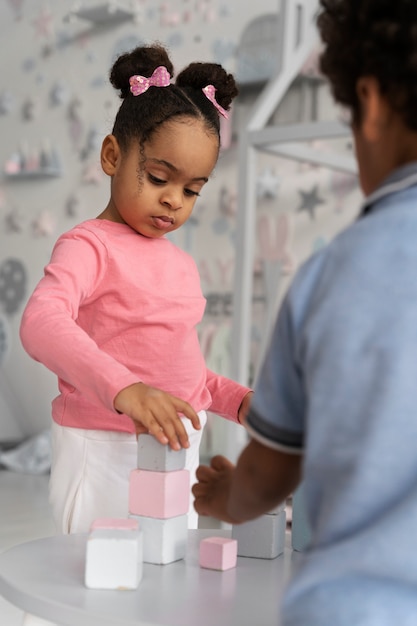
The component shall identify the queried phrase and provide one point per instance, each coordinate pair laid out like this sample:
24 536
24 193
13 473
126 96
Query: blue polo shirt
339 386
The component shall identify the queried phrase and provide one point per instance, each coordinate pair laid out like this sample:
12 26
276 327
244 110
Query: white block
164 540
261 538
114 559
156 457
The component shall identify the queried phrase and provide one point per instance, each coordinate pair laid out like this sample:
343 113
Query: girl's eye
155 180
190 192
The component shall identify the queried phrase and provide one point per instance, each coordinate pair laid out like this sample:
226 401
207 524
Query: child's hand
211 492
244 408
156 412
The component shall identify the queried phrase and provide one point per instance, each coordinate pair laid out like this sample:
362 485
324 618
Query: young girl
115 315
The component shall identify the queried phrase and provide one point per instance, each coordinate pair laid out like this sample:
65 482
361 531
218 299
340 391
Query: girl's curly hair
140 116
371 38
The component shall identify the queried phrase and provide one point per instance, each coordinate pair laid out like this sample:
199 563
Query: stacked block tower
159 500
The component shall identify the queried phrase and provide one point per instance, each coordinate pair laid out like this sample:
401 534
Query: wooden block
159 494
262 538
114 559
156 457
218 553
164 540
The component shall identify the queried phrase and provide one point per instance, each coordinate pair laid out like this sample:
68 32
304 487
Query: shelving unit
51 172
298 38
104 15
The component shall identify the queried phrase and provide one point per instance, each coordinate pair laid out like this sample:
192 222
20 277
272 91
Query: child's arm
229 399
262 479
244 408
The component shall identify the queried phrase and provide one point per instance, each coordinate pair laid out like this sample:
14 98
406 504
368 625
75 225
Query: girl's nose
172 199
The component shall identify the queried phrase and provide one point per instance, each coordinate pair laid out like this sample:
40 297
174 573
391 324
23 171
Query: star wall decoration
267 184
6 103
309 201
72 206
13 280
13 222
58 94
43 24
43 225
30 109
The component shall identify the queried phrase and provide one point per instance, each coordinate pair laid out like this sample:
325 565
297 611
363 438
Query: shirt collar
399 180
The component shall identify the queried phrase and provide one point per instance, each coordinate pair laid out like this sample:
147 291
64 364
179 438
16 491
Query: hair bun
199 75
142 60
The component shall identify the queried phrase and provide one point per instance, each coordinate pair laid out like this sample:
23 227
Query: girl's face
157 196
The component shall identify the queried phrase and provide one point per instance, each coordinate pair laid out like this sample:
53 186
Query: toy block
159 494
114 559
261 538
164 540
114 523
156 457
218 553
300 527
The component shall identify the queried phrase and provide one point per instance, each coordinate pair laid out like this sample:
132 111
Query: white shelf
104 15
41 173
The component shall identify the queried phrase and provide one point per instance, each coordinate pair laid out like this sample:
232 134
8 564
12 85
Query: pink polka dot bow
140 84
210 93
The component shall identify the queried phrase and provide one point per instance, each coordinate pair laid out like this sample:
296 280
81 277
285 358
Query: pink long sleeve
115 308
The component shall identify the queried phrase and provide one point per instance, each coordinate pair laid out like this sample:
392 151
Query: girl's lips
163 222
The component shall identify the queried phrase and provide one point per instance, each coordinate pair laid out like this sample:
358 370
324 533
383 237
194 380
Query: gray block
262 538
156 457
300 527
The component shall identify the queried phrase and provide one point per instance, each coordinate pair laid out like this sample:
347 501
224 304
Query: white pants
90 474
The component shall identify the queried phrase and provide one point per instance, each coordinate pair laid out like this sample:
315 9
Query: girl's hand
155 412
244 408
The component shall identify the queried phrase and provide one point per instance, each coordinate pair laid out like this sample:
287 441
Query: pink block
218 553
114 523
159 494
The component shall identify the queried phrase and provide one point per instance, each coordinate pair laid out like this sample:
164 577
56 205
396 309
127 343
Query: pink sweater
115 308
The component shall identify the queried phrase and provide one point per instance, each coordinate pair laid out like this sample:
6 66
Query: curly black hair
371 38
141 116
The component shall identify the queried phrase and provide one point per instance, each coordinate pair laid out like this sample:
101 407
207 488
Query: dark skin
261 480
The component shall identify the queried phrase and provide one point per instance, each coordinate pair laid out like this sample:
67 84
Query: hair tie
159 78
210 93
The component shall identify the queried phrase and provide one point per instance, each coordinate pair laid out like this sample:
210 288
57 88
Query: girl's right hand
155 412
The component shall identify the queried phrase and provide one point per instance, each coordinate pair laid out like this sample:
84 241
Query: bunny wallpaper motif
56 105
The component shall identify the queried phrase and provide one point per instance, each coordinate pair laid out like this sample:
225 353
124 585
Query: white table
46 577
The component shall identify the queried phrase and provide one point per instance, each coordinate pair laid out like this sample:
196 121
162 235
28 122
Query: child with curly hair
115 315
335 404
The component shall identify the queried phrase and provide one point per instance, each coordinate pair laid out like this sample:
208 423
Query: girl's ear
374 108
110 154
